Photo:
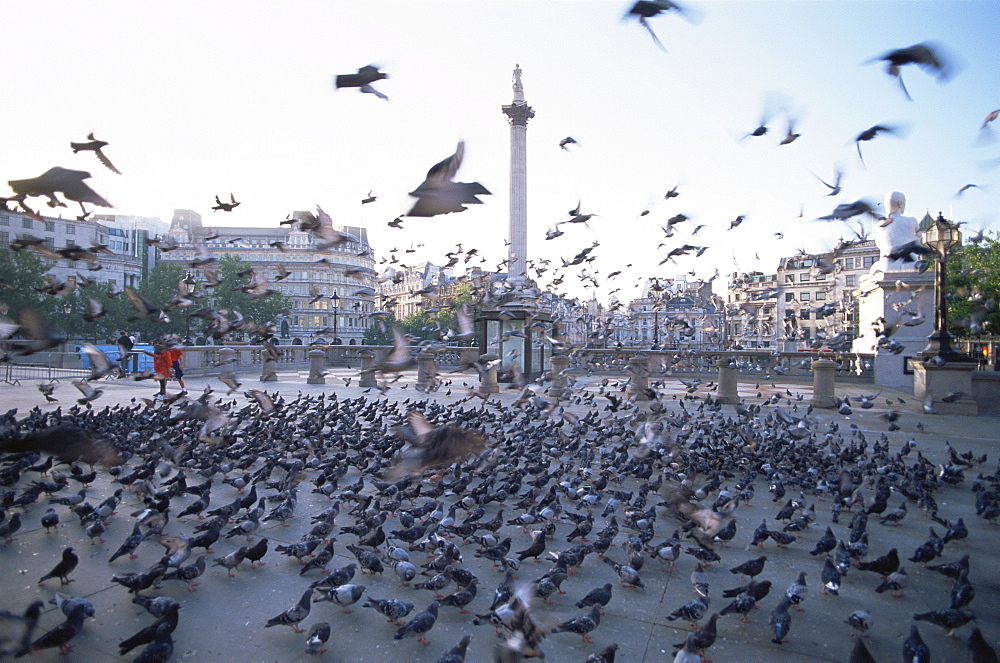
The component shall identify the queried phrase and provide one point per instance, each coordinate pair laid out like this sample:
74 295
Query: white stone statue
894 233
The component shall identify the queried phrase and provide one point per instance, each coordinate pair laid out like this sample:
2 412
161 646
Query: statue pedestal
887 296
932 382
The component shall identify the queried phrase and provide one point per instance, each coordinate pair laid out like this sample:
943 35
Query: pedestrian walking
125 346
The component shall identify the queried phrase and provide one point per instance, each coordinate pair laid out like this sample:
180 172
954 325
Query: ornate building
342 277
674 314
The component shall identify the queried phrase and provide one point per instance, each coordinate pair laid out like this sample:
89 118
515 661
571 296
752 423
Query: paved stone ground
224 619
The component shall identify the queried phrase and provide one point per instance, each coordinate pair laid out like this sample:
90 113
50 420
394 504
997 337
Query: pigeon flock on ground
480 513
431 511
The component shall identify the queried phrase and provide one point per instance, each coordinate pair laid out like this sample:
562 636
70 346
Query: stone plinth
638 369
316 360
932 382
824 395
879 298
367 379
488 380
427 370
227 363
728 394
557 388
269 370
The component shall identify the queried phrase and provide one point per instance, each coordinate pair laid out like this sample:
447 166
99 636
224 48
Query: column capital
518 114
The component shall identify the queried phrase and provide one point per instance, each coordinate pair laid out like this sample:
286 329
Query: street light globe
941 235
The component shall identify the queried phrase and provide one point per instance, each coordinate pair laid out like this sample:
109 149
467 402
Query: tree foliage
229 296
424 325
974 287
21 274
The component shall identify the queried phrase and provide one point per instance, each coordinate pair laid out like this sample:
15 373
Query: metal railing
49 366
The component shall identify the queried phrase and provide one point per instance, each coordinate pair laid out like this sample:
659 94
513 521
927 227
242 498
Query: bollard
728 394
638 368
316 360
488 381
559 364
823 383
227 363
427 370
367 379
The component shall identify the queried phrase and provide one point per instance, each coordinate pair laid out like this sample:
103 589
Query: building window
869 261
820 276
26 223
70 229
804 296
4 238
851 281
848 263
789 296
821 296
803 277
4 220
803 314
50 227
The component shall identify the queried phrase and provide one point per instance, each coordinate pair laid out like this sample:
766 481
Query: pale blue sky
200 98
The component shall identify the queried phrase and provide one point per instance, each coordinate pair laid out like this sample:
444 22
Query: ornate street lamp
68 311
189 284
336 307
941 237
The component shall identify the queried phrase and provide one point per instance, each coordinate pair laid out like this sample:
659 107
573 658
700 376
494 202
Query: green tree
974 287
228 295
21 274
380 331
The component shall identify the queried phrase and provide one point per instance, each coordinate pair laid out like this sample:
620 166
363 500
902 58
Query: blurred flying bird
440 194
927 57
94 145
225 207
646 9
362 80
872 132
59 180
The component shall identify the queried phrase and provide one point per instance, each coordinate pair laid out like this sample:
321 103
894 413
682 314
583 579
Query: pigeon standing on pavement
62 570
420 624
295 614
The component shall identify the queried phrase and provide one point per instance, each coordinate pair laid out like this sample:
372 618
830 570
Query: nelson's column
510 332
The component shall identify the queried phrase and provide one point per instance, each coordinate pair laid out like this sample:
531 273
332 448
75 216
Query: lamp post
336 307
68 311
188 282
941 236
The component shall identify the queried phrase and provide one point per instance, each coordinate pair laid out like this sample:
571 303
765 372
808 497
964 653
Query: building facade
124 259
332 290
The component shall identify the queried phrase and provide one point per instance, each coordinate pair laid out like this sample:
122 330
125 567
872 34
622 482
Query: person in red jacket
166 364
161 367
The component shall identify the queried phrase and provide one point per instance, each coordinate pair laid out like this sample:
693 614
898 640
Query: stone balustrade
760 364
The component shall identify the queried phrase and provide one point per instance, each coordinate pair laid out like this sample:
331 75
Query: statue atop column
894 234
